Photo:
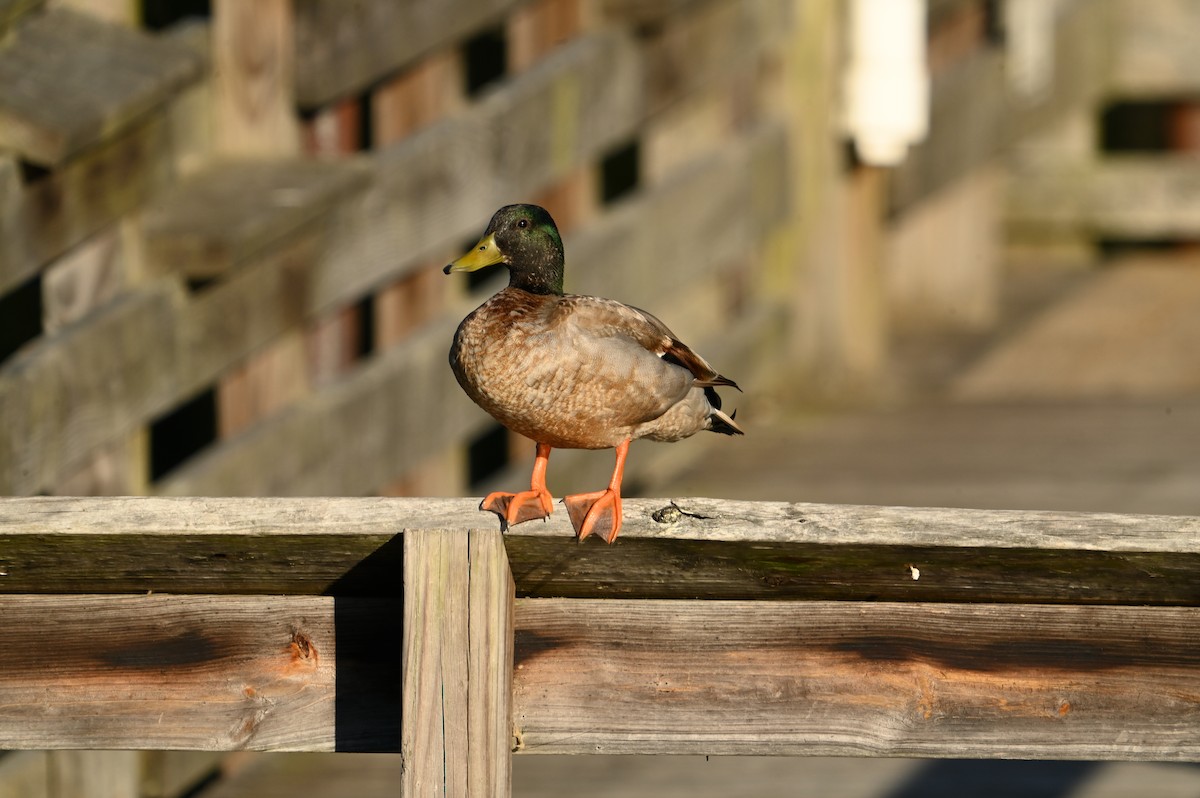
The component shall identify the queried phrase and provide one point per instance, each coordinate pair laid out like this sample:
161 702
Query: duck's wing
607 318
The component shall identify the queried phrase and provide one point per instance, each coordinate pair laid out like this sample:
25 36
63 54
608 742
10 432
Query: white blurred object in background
887 79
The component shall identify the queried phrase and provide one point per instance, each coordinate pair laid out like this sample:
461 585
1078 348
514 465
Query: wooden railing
718 627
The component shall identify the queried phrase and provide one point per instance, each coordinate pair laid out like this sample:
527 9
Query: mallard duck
573 372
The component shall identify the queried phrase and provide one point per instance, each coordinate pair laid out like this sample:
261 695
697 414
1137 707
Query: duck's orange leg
600 512
528 505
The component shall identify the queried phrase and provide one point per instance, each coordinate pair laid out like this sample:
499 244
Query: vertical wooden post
457 664
253 48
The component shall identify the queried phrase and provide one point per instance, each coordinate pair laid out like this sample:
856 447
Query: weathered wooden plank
84 279
314 775
88 385
1156 49
1134 196
254 60
68 81
42 220
433 742
490 666
723 201
457 664
712 548
197 672
709 44
350 438
233 210
342 50
875 679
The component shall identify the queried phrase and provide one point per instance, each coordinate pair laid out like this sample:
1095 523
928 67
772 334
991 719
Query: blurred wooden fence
412 625
220 240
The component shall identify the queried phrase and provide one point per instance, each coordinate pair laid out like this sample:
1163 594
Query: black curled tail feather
718 421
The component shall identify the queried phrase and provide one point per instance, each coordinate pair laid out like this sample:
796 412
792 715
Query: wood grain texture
168 672
69 81
42 219
433 743
254 52
857 679
342 50
711 548
490 666
457 664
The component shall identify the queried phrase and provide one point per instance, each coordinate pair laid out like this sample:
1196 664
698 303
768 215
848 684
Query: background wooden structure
713 627
227 259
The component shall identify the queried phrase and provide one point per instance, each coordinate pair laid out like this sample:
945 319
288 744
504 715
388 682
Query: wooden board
69 81
854 679
343 50
83 280
1139 197
457 664
88 385
44 218
198 672
712 548
254 56
354 436
235 209
715 41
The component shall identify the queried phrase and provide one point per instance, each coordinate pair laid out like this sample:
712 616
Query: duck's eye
523 223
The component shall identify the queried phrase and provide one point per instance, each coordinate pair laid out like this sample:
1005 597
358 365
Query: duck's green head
526 240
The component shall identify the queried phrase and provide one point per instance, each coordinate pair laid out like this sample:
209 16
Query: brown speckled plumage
575 372
569 371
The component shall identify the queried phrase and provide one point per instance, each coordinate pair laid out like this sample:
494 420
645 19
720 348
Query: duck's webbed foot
517 508
596 513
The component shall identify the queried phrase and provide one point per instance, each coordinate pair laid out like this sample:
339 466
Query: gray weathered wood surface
68 81
457 664
710 548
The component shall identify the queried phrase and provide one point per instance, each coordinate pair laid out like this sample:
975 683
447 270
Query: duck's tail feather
725 424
